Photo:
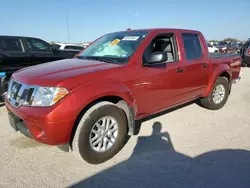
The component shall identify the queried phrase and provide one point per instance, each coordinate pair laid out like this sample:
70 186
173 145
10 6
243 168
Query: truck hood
52 73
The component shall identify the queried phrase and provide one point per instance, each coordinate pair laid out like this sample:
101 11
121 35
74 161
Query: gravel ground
188 147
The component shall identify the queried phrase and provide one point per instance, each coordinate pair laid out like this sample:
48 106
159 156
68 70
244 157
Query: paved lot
189 147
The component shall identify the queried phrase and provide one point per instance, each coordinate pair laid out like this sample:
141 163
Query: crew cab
89 104
19 52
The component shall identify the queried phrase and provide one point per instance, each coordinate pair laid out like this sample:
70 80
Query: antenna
67 26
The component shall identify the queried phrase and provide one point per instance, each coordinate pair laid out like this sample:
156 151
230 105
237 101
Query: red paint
147 90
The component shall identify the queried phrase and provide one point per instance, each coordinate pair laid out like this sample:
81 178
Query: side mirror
157 57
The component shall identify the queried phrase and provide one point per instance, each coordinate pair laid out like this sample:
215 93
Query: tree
230 40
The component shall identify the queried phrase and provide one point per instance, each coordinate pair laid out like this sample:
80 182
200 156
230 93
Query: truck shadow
155 163
138 123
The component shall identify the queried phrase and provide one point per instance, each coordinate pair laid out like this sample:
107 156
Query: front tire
218 96
101 133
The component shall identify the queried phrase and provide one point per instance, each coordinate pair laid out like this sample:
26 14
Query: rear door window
192 46
11 45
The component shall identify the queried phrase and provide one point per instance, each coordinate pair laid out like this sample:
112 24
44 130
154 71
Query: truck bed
232 59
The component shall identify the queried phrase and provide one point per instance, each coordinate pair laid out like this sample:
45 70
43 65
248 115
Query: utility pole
67 27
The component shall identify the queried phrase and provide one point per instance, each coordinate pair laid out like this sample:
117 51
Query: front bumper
40 124
18 125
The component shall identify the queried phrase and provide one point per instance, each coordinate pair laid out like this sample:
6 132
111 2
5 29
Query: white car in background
67 46
212 49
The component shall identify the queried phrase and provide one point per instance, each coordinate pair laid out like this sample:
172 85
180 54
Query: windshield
222 44
118 46
209 45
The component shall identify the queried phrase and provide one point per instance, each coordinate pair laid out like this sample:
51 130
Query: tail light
248 51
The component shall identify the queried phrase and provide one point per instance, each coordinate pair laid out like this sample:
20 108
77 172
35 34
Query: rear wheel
218 96
101 133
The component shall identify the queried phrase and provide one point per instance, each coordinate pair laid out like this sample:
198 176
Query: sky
89 19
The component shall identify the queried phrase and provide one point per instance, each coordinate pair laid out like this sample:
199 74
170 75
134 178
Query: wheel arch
114 99
222 71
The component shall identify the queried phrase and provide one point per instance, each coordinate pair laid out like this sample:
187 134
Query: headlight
224 48
47 96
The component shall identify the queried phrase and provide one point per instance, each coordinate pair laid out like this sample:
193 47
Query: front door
40 51
161 85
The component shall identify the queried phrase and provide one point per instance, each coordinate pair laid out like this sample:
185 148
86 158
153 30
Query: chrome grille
20 94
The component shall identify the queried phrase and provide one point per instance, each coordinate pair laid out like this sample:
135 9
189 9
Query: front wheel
218 96
101 133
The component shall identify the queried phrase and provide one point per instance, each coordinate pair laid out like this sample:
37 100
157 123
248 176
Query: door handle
179 70
204 66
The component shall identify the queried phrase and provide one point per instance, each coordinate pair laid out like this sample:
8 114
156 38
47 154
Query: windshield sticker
131 38
115 42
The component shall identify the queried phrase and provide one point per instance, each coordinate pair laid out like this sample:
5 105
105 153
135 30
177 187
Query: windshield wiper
98 58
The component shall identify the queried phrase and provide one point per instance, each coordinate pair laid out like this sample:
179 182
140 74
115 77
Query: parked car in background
212 49
67 46
245 53
86 44
90 103
234 47
18 52
222 47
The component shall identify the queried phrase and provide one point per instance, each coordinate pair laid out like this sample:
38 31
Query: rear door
195 64
40 51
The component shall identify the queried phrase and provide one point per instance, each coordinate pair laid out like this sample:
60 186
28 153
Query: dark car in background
222 46
234 47
245 53
18 52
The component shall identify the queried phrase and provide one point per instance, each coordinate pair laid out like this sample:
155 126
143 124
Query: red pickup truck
89 104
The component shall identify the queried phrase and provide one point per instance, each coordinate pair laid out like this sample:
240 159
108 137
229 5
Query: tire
209 103
244 64
81 142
